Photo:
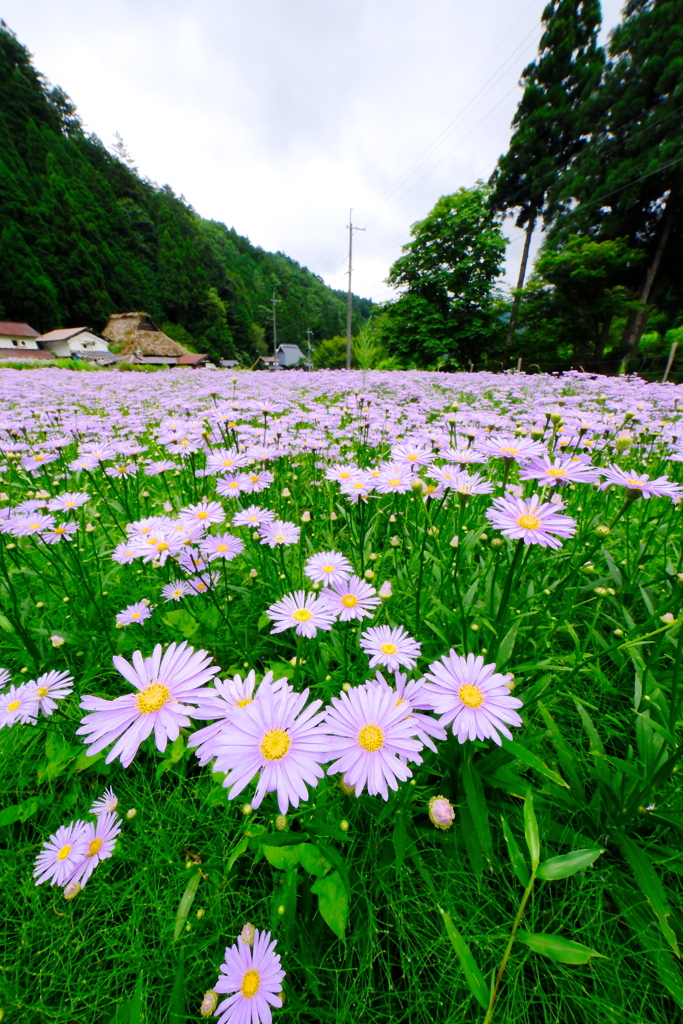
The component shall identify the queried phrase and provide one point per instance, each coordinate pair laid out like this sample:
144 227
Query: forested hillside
82 235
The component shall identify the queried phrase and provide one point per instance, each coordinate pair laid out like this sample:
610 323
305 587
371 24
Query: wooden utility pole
309 332
349 297
275 302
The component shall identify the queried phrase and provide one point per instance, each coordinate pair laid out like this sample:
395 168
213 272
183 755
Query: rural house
79 342
138 339
18 341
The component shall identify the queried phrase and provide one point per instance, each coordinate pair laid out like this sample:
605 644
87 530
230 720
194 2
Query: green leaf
476 803
533 761
5 624
519 865
533 841
507 645
284 858
475 979
333 902
562 951
651 887
312 860
135 1013
186 901
568 864
400 838
241 848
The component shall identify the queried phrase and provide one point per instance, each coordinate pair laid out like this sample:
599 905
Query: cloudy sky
277 116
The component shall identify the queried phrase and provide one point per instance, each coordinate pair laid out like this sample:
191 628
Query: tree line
595 162
84 235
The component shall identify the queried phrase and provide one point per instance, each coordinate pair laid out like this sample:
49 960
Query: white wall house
76 341
17 336
289 355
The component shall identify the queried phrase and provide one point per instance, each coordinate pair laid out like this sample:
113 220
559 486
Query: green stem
506 955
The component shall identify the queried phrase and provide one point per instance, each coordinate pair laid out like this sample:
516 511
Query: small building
289 355
79 342
137 334
229 364
16 339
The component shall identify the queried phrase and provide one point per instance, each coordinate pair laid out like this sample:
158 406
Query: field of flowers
340 697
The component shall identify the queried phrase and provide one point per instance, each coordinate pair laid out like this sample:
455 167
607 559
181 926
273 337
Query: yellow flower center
221 547
228 462
34 526
162 546
69 504
510 451
64 852
95 846
529 522
14 705
279 537
349 600
556 471
60 529
275 744
388 648
251 983
135 615
412 457
39 458
254 480
371 738
471 695
41 691
328 568
152 698
302 615
243 703
344 476
202 515
395 482
632 482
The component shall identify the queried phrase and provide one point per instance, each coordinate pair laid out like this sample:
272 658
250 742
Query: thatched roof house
137 333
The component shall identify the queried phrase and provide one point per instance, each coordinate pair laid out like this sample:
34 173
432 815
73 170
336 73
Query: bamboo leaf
568 864
562 951
533 761
475 979
533 841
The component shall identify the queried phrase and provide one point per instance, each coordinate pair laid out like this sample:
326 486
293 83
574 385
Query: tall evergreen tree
629 182
550 123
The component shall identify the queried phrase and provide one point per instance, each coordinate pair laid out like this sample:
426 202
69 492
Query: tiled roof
21 330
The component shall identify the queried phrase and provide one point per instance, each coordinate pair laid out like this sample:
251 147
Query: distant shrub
127 367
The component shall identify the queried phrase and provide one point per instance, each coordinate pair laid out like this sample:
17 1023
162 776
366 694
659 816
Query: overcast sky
276 116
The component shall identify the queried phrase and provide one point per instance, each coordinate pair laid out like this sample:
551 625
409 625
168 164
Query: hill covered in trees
82 235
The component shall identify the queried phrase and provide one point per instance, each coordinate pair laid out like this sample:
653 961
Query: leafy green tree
573 298
550 124
26 290
330 354
628 182
448 271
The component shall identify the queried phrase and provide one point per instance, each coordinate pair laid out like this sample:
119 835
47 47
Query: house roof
21 330
26 353
63 333
137 332
191 359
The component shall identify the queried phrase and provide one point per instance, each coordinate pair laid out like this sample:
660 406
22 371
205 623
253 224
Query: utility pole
275 302
309 332
349 297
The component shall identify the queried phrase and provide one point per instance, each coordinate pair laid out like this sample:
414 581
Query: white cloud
276 116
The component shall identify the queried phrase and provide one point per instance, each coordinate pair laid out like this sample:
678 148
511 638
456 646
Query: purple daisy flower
107 802
162 684
327 567
278 738
566 470
65 502
304 612
517 448
661 487
19 704
137 612
224 460
62 531
230 486
279 534
392 648
351 599
101 840
223 545
413 695
61 854
253 978
473 696
526 519
253 516
50 687
176 590
372 737
205 513
394 479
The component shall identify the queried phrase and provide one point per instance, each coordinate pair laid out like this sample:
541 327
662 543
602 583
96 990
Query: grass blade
473 976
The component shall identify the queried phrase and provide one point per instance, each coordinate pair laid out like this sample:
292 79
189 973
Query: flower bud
247 809
602 531
667 618
306 516
286 493
394 541
281 823
200 913
556 418
392 518
89 527
369 574
344 825
56 640
346 787
497 542
209 1003
623 441
253 573
441 813
247 934
131 813
72 890
601 591
385 591
454 541
334 516
416 484
536 435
